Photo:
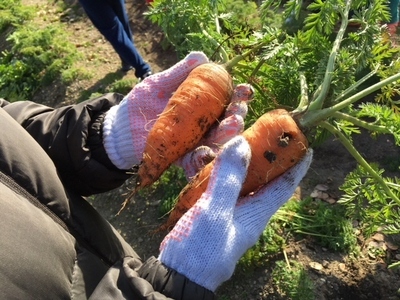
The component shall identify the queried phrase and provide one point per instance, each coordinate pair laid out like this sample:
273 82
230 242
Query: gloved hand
126 126
232 124
210 238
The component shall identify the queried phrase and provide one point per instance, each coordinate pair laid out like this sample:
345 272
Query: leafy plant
369 202
326 223
270 243
36 58
199 25
12 13
167 187
292 280
122 86
321 73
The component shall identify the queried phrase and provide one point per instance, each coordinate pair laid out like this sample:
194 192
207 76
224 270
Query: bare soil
366 277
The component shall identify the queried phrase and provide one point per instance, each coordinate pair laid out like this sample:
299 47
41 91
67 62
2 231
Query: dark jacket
71 136
54 244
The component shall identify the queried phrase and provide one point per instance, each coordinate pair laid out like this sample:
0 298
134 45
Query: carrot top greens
330 63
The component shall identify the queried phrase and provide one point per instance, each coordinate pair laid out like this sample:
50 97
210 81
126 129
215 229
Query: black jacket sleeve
72 137
122 282
55 245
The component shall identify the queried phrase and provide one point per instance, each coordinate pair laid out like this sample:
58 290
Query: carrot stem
304 101
360 123
287 259
353 151
235 60
322 91
314 117
353 87
221 49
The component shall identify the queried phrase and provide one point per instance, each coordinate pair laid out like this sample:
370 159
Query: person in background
55 245
394 16
111 19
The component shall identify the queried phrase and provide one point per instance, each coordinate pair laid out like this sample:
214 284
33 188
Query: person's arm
130 279
97 144
57 246
72 137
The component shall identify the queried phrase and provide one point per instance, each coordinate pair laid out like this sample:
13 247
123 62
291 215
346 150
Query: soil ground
339 278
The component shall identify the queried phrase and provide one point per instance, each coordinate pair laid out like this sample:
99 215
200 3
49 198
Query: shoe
147 74
392 30
125 67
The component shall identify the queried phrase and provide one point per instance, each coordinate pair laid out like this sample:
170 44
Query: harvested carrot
198 102
276 143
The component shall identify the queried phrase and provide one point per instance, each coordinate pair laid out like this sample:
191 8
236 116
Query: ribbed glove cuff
117 136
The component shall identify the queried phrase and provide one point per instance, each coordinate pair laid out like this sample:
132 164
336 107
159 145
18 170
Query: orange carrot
276 144
198 102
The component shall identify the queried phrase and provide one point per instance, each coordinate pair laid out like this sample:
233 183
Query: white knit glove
126 126
210 238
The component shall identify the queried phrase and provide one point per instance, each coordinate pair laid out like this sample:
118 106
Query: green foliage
37 57
326 223
321 69
270 243
368 202
386 120
71 74
167 187
12 13
122 86
292 281
203 25
274 71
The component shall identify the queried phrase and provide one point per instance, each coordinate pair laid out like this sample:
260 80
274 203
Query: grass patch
325 223
167 188
37 57
122 86
292 281
12 13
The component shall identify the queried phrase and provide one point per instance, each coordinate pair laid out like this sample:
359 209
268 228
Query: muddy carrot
276 143
198 102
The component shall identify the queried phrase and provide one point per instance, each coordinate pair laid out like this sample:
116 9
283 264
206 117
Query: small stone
373 244
324 196
316 265
315 194
342 267
330 200
379 237
391 246
321 187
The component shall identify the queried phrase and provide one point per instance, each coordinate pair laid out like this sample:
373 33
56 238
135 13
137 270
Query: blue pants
111 19
394 11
